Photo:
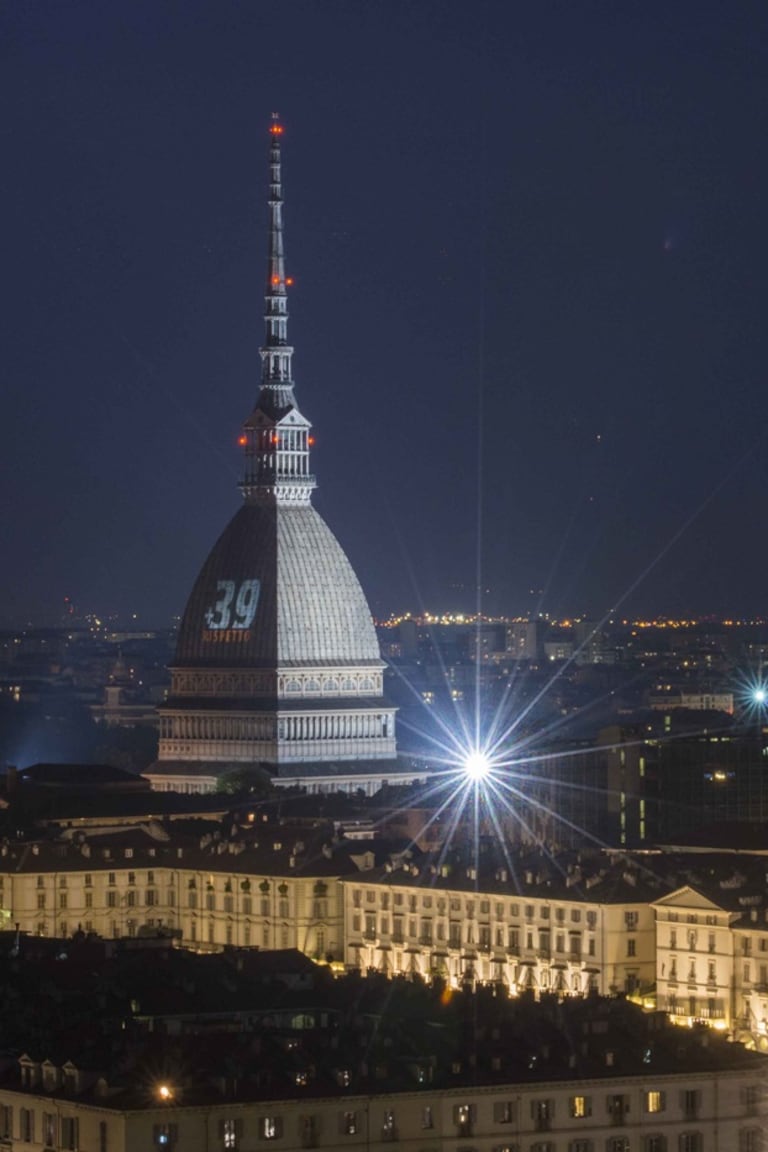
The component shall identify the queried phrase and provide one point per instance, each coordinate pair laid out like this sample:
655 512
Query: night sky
530 251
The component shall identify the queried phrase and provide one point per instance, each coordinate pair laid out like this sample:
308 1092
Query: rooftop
276 1027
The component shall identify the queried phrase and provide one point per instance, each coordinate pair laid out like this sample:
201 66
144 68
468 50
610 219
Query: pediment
689 898
293 418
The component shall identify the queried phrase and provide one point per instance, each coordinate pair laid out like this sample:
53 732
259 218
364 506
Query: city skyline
525 275
527 310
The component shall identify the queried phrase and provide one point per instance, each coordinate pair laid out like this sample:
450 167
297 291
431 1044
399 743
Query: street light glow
477 765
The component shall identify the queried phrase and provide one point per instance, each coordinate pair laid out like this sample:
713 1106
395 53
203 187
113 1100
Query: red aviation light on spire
276 129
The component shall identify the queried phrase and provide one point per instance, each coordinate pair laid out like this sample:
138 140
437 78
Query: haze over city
529 253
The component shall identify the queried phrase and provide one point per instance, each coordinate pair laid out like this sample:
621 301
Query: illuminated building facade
698 953
712 957
291 890
590 934
277 660
663 1109
281 891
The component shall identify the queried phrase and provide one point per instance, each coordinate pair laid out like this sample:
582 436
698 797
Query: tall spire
276 436
276 354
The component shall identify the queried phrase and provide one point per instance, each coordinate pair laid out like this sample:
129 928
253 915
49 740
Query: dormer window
50 1076
70 1077
30 1072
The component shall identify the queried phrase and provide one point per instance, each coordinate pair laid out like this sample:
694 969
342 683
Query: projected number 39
236 605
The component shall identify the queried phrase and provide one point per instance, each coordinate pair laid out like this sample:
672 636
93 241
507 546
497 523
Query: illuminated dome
306 603
277 660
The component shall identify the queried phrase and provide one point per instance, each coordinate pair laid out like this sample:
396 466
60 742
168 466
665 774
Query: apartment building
274 888
750 976
538 931
536 924
658 1112
712 957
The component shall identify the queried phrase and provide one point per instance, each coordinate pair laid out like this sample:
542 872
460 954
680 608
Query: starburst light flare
477 765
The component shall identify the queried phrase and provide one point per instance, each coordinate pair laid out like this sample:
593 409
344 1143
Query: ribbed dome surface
309 606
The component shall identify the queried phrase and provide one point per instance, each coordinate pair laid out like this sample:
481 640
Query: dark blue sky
550 215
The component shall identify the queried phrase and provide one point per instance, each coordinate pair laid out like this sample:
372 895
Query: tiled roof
528 876
270 851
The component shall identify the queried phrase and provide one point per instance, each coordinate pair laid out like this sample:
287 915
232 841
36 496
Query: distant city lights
661 623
